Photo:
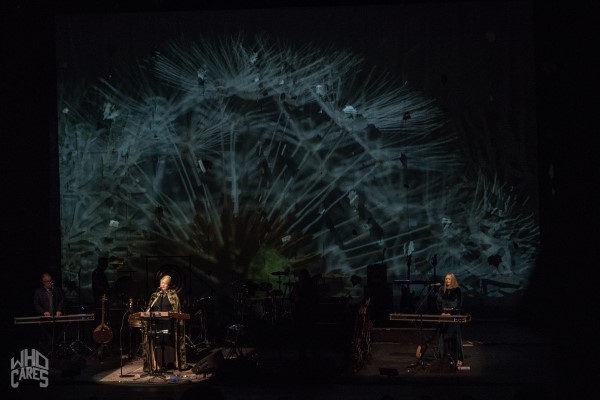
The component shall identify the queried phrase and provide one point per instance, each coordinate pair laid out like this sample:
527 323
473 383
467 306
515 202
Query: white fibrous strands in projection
242 143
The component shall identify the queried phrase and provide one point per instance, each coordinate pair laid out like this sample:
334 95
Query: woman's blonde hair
453 281
166 278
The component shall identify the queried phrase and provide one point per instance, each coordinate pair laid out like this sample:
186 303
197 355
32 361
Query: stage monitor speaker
209 364
376 274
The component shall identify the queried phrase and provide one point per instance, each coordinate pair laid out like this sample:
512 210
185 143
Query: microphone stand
152 305
79 286
121 345
425 343
81 310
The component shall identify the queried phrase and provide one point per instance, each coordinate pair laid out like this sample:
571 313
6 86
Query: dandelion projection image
246 158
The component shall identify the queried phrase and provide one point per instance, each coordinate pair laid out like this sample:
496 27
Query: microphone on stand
435 284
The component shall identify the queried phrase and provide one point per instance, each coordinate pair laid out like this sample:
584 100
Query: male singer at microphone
48 301
168 334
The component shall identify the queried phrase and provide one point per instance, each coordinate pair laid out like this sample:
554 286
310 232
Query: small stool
234 335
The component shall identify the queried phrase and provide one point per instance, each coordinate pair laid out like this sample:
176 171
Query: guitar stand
420 361
100 351
79 345
422 349
425 344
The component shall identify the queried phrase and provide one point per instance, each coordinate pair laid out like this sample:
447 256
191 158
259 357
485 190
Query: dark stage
504 359
512 79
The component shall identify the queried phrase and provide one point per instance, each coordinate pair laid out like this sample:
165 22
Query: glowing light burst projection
227 150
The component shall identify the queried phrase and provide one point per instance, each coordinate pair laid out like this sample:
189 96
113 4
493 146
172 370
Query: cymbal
116 261
329 277
333 274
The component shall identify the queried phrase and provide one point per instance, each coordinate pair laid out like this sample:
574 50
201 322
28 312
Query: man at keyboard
48 301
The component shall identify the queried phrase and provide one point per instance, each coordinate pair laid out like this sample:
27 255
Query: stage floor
504 361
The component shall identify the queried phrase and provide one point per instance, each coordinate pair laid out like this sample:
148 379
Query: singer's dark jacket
41 303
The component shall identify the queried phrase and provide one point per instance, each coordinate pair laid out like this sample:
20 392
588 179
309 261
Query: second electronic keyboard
55 319
160 314
430 318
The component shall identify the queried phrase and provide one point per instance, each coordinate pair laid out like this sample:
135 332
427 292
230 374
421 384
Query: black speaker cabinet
376 274
210 363
381 304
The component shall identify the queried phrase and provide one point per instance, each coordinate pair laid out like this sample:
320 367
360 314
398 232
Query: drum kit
128 294
264 301
136 326
197 335
135 305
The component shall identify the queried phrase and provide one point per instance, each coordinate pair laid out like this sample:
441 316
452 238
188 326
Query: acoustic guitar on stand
102 334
